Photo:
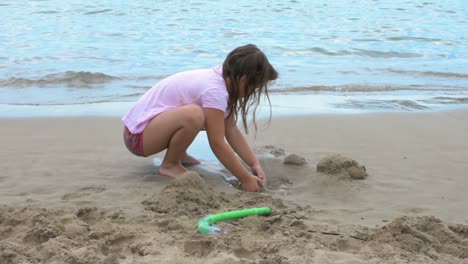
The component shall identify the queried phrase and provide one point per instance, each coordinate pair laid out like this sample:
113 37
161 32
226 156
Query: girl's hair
247 61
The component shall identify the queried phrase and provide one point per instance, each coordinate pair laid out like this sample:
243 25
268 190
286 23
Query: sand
339 164
71 193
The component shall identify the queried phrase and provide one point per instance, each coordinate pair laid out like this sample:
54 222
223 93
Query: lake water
97 57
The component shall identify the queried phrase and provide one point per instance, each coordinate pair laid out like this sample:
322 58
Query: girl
171 113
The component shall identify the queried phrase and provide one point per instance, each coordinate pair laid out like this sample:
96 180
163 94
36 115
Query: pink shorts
134 142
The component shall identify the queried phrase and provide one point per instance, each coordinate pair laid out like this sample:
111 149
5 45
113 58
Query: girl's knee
195 116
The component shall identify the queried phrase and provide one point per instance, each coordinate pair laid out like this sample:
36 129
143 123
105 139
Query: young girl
171 113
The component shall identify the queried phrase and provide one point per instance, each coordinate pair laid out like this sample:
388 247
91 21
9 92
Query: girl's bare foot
189 160
172 170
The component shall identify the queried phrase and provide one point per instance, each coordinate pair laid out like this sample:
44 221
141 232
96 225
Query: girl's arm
238 142
214 125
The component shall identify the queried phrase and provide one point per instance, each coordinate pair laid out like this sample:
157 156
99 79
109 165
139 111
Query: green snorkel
206 225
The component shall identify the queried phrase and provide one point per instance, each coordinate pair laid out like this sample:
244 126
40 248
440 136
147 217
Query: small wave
233 34
46 12
365 88
385 54
97 12
330 53
431 74
132 86
308 51
447 100
408 105
52 104
366 40
68 79
149 77
354 51
413 39
130 95
116 99
205 53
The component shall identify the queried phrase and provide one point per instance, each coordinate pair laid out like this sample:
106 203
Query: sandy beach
70 192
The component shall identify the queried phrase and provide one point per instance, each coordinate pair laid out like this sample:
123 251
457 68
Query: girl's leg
173 130
188 160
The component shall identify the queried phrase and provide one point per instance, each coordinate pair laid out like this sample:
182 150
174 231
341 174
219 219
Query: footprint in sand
414 210
199 248
83 192
276 152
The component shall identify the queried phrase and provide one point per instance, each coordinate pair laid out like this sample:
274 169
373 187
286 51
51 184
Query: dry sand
71 193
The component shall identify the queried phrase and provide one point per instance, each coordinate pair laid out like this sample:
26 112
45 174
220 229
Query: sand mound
424 235
185 195
336 163
189 195
294 159
31 235
90 235
166 233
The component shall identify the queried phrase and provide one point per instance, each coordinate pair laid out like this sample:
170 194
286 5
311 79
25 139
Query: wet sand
71 193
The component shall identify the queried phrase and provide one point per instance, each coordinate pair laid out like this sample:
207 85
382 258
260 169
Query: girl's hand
258 171
252 183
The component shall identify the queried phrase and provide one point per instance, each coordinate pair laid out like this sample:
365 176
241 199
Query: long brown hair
247 61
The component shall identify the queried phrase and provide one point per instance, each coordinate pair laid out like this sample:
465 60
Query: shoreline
281 114
283 104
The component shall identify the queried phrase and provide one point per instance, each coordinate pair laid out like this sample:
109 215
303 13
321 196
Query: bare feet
172 170
188 160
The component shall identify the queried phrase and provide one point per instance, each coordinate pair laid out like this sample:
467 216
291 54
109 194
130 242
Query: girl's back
203 87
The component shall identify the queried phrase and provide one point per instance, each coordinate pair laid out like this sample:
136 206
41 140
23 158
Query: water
97 57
